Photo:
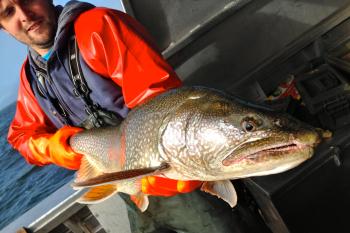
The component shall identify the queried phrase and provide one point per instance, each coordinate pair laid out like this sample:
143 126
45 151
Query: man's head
32 22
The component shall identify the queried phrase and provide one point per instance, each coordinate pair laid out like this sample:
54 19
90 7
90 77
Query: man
121 68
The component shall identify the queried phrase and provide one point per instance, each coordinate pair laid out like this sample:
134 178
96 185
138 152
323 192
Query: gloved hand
158 186
55 148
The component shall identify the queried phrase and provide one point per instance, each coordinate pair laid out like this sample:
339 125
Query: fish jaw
276 151
276 157
266 163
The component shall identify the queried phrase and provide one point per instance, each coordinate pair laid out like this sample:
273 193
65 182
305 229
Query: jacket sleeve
116 46
29 123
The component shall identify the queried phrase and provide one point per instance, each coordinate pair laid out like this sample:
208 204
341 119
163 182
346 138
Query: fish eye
248 125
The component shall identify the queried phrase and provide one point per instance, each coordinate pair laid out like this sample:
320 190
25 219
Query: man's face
32 22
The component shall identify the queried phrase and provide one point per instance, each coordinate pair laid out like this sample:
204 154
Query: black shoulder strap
80 87
77 77
96 115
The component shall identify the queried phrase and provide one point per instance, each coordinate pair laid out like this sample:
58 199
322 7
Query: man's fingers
164 183
159 186
153 189
188 186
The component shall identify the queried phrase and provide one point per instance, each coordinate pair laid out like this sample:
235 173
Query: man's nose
24 13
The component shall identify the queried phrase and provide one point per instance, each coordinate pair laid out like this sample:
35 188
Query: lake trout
190 133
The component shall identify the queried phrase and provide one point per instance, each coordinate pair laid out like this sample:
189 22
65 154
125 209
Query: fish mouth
266 153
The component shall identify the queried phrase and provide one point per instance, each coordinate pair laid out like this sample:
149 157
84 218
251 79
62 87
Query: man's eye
9 12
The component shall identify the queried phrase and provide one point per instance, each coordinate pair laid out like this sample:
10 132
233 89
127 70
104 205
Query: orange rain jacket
113 45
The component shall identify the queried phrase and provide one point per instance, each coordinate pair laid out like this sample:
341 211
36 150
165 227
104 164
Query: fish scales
196 133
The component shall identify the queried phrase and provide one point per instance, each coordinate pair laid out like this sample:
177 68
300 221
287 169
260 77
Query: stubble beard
43 40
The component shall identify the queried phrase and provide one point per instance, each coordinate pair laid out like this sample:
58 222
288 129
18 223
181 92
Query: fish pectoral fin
106 178
141 201
98 194
86 171
223 189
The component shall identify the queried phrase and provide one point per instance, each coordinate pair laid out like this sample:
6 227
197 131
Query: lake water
22 185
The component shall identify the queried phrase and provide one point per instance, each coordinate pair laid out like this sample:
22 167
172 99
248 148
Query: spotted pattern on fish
204 134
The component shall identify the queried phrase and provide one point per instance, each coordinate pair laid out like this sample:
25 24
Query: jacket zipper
61 102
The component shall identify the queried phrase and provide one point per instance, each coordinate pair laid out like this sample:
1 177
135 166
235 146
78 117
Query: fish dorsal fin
223 189
98 194
106 178
141 201
86 171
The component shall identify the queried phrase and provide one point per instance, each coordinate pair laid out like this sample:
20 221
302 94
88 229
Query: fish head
270 143
223 137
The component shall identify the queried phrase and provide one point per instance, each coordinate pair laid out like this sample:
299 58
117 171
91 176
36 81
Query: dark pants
195 212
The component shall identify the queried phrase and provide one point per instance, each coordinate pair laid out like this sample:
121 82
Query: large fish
190 133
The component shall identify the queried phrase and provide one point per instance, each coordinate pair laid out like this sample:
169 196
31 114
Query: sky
12 55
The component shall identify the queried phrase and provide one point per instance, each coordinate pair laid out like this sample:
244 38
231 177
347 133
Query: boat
249 48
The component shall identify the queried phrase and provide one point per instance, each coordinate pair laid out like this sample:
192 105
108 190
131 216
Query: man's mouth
34 26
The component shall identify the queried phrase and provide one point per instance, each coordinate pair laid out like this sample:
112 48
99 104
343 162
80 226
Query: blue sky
12 54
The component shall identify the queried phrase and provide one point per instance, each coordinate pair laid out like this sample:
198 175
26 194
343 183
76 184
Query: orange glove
54 148
158 186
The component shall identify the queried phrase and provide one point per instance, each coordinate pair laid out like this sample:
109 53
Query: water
22 185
